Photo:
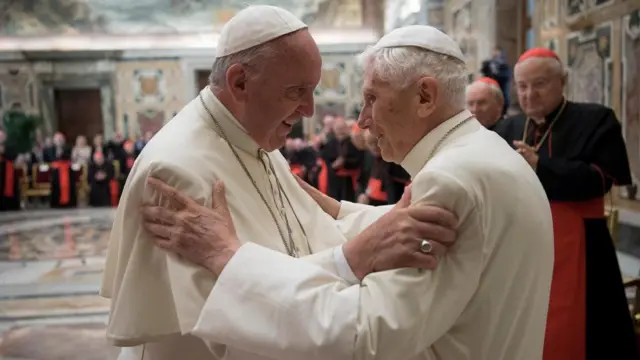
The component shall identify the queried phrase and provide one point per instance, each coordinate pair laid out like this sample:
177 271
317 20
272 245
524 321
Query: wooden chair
40 181
22 173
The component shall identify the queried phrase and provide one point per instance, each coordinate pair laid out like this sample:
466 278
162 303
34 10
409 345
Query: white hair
254 58
401 66
495 90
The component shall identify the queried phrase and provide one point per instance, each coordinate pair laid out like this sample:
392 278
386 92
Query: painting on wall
149 85
462 32
589 62
70 17
334 80
601 2
575 7
631 89
145 85
18 89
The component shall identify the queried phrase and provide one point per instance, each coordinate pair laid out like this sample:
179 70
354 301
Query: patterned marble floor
51 264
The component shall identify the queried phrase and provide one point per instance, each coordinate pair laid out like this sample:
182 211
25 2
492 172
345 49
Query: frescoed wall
590 65
18 88
148 94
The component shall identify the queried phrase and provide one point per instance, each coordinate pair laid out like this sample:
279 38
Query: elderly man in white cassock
262 81
486 300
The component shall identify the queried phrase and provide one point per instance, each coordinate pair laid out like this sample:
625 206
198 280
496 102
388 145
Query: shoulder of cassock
459 178
154 293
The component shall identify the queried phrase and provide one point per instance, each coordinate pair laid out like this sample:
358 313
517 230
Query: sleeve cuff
344 270
348 208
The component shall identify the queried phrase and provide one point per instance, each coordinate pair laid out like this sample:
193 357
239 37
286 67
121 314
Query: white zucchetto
422 36
256 25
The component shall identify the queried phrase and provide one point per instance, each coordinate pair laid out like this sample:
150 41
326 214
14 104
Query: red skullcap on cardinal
488 80
539 53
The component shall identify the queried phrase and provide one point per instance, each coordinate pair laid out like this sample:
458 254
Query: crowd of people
60 175
344 162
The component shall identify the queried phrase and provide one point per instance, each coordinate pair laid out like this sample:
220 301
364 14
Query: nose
364 120
307 107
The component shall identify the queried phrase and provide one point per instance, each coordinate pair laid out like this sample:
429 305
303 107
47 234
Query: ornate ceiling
150 17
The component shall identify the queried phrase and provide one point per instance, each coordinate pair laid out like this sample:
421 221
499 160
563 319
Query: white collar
415 160
235 132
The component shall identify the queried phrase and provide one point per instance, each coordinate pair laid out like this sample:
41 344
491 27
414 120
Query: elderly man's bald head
485 101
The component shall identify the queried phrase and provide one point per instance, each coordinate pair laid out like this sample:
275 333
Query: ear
236 78
428 95
565 77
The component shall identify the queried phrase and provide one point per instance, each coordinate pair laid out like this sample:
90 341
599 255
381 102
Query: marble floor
50 270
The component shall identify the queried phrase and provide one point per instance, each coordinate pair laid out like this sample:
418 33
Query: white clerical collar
418 156
234 131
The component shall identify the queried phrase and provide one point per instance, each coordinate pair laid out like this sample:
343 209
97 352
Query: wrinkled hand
393 241
202 235
528 152
328 204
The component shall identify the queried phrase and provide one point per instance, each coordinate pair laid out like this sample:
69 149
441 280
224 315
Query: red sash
114 191
323 177
353 174
374 190
9 179
402 181
64 178
565 336
297 169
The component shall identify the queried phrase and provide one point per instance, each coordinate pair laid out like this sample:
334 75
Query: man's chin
386 155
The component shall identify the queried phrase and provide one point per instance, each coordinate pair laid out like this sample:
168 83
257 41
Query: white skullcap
256 25
422 36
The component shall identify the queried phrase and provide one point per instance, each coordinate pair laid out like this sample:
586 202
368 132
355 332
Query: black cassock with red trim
583 155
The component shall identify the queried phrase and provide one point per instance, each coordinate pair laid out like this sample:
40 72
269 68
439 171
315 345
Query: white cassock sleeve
283 308
353 218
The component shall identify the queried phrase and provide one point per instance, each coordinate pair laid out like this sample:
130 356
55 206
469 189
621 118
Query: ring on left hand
426 247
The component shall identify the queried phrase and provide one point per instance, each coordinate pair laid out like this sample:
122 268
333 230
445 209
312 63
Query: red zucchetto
488 80
538 53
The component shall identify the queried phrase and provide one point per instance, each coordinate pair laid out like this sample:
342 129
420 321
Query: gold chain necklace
544 137
290 246
445 136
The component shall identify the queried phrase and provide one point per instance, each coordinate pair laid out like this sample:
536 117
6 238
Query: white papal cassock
156 297
487 300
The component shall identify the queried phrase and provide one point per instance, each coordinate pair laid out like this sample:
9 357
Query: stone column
435 13
484 26
373 15
508 28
